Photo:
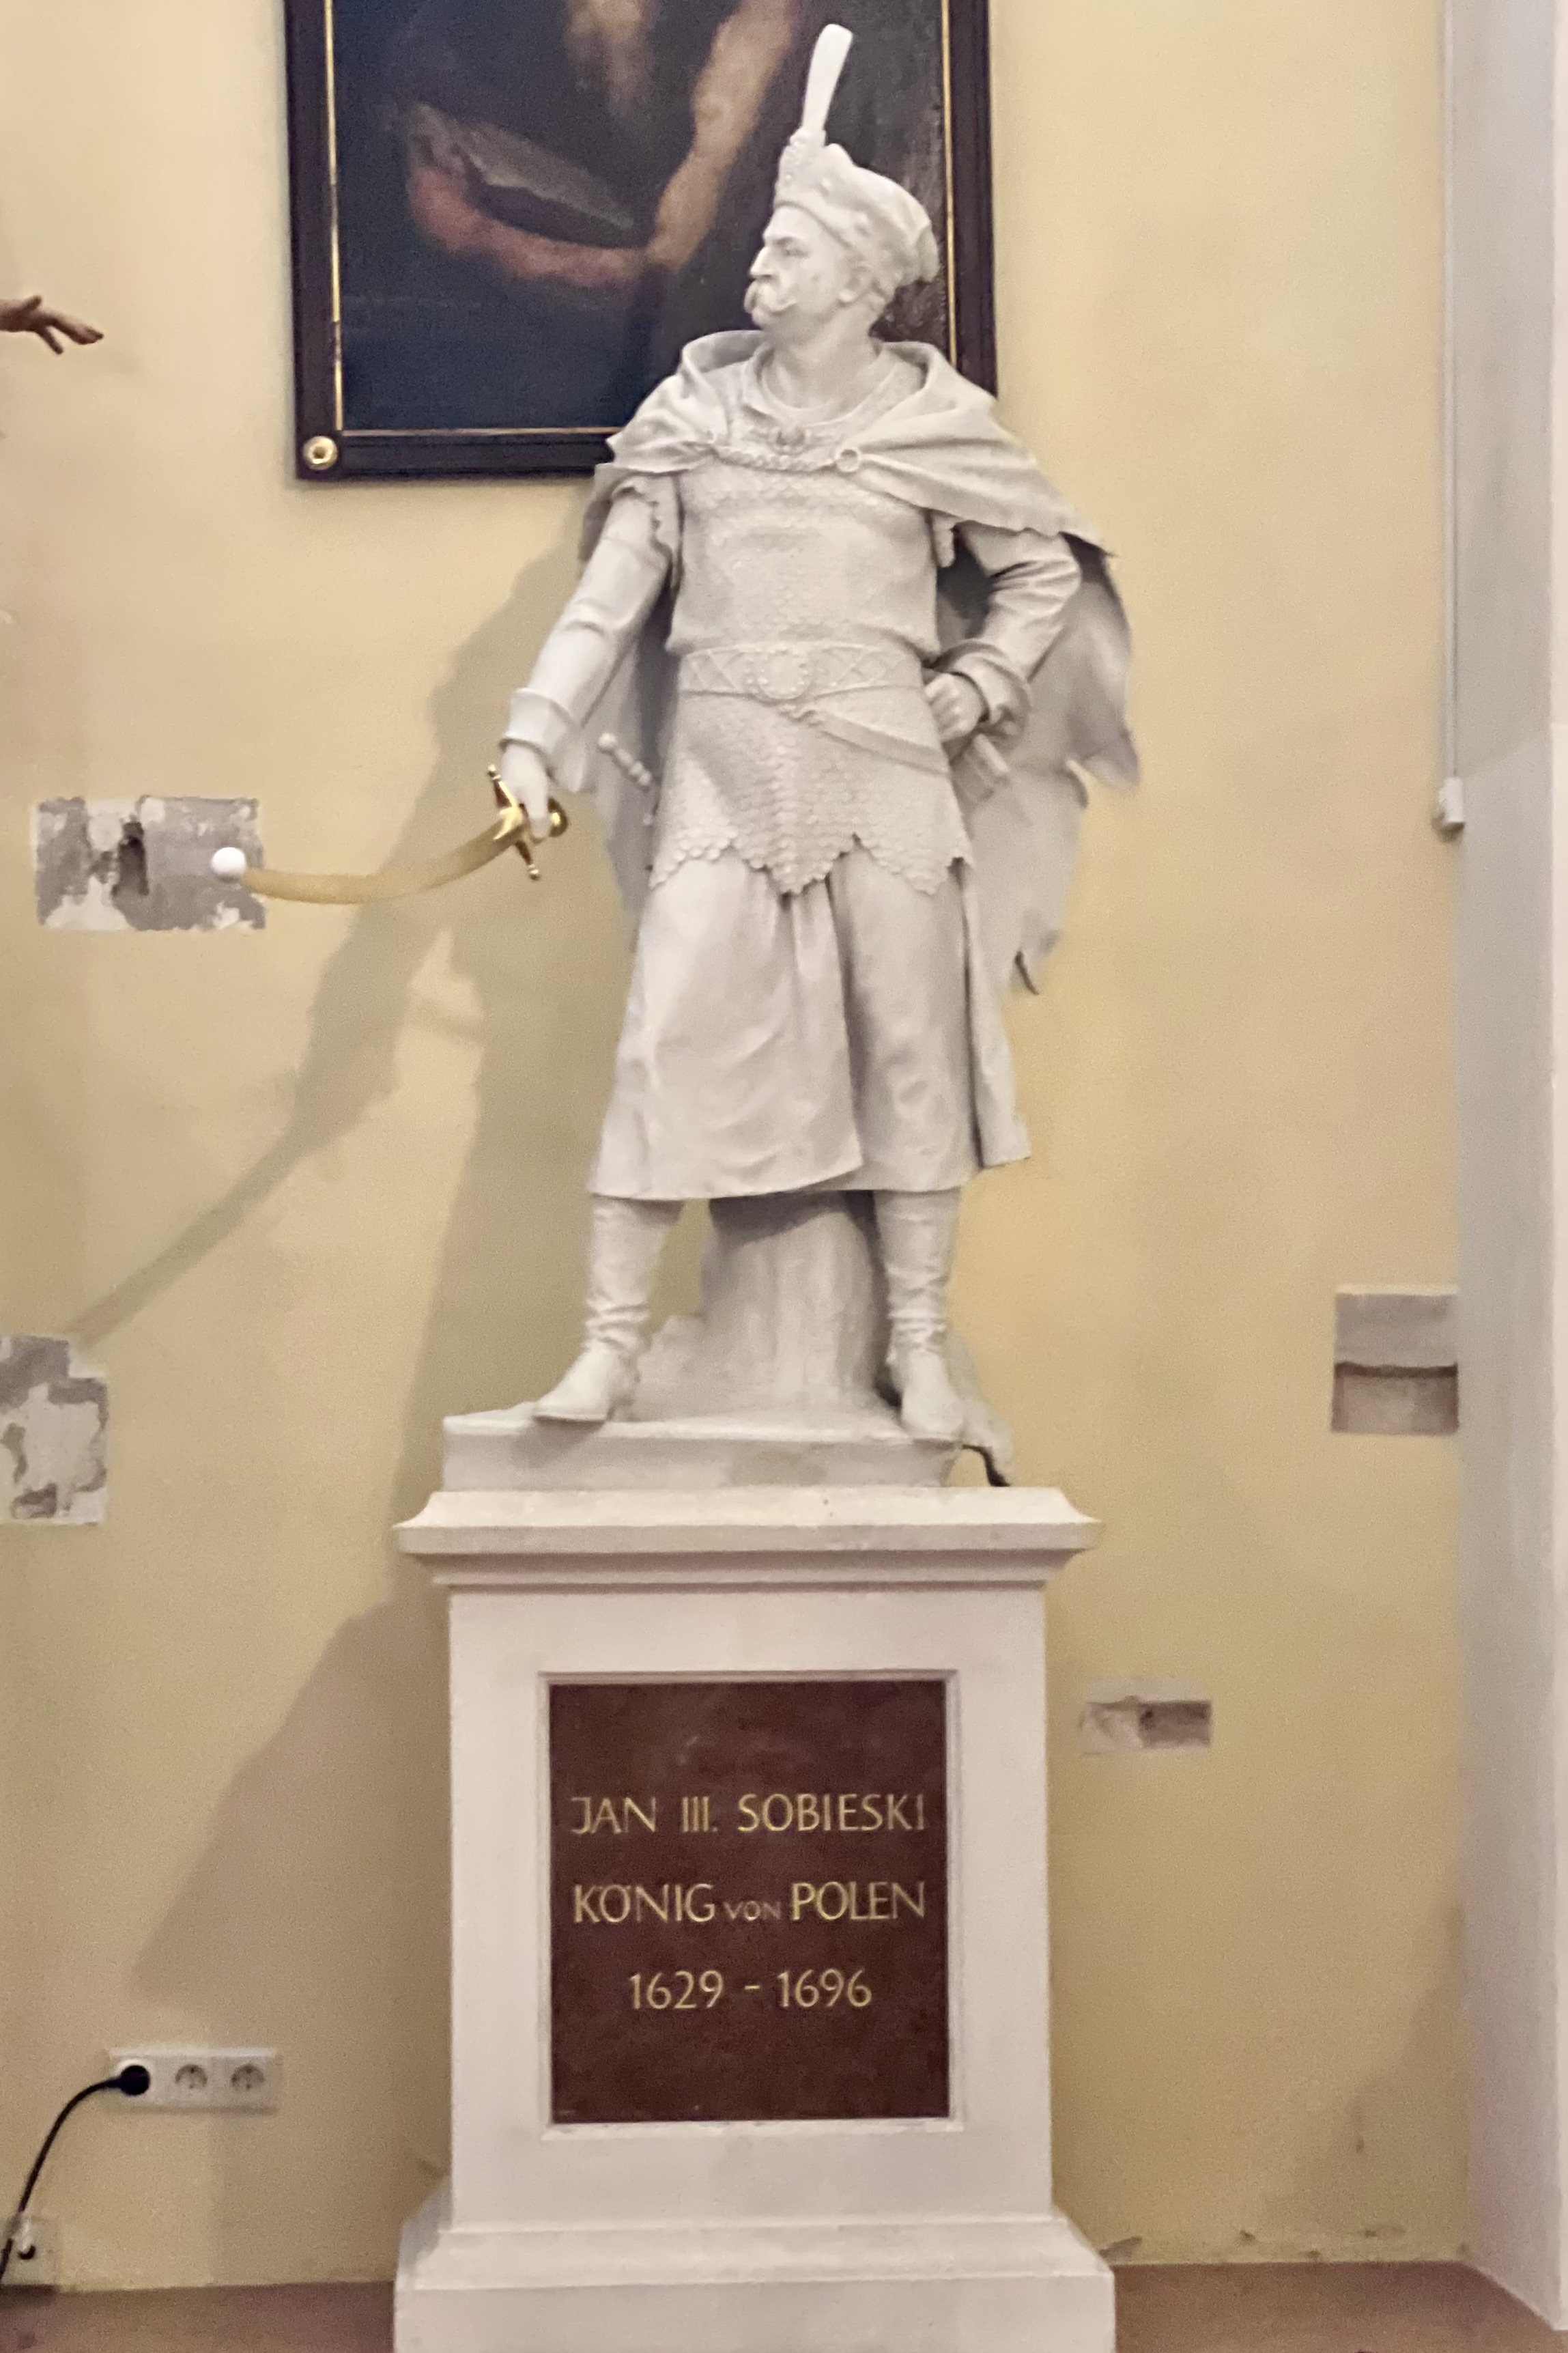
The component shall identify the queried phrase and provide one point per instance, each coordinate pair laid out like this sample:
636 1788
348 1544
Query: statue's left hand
32 316
958 707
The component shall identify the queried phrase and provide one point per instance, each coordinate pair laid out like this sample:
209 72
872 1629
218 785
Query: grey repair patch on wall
1144 1720
142 865
54 1434
1397 1364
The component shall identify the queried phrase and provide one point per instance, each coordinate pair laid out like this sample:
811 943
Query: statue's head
841 238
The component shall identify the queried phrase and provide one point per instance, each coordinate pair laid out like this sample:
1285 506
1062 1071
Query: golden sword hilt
526 840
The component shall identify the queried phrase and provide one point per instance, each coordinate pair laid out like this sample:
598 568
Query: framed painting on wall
509 215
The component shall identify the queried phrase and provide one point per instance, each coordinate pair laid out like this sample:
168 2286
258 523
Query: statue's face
802 277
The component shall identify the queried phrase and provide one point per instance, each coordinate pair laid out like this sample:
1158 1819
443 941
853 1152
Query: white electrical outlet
34 2252
194 2075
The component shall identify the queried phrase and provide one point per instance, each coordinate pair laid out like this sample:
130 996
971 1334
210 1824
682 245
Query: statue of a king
870 653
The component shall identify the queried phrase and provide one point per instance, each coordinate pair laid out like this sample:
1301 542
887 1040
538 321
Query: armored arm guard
618 590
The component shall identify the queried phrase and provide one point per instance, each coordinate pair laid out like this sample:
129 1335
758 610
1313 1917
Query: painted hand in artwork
442 202
465 175
749 49
30 315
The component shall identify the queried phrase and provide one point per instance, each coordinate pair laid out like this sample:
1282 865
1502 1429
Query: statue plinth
774 1382
750 2040
864 1446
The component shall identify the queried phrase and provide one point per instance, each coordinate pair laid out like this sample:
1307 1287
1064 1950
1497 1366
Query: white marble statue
854 651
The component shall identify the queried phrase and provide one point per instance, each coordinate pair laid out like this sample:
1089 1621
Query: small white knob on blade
228 865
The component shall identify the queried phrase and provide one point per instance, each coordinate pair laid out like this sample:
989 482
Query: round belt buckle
849 459
782 675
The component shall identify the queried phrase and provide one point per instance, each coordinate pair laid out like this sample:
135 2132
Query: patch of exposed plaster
1397 1331
143 866
54 1434
1394 1403
1397 1364
1144 1720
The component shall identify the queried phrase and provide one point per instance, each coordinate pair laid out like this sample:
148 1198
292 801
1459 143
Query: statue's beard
609 40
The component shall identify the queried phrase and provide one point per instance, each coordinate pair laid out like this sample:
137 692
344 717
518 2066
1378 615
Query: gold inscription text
808 1810
824 1989
680 1990
616 1905
852 1899
618 1815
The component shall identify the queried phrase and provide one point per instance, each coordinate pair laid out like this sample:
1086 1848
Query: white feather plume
828 59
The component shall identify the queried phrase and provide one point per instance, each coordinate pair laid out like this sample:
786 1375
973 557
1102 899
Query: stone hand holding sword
838 664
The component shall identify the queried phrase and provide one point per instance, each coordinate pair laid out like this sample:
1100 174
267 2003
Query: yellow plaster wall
302 1193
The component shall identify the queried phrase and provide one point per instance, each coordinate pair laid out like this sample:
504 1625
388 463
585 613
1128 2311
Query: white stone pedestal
874 2234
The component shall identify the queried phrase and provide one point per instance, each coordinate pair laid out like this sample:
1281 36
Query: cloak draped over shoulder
942 451
941 448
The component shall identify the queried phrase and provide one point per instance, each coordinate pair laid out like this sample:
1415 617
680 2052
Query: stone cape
941 449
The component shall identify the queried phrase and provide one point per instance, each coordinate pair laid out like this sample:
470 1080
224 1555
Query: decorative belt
791 678
796 673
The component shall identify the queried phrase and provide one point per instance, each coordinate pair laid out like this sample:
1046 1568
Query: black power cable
134 2081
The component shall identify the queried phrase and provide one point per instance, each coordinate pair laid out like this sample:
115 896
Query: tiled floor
1408 2308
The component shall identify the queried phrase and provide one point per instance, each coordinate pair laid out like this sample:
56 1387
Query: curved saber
511 830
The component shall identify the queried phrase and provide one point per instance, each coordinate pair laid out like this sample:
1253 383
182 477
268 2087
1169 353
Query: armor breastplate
772 553
805 613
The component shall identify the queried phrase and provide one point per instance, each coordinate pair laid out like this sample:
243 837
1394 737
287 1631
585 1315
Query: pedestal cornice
748 1536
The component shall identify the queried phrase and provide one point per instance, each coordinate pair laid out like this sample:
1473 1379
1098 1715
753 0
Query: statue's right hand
527 779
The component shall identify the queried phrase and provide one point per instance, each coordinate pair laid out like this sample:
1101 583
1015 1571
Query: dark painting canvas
509 215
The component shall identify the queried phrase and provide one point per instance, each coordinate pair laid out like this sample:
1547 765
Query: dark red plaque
748 1901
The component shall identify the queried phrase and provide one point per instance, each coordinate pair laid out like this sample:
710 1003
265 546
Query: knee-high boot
624 1244
919 1235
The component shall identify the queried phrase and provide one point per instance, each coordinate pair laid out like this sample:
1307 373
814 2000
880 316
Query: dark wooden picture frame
434 294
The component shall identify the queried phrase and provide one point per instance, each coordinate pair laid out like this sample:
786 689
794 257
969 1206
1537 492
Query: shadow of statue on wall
337 1825
538 1075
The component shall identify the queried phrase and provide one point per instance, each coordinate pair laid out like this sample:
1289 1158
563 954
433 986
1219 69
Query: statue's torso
801 553
805 600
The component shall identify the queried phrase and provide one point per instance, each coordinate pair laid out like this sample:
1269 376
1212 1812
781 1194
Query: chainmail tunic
812 583
805 603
